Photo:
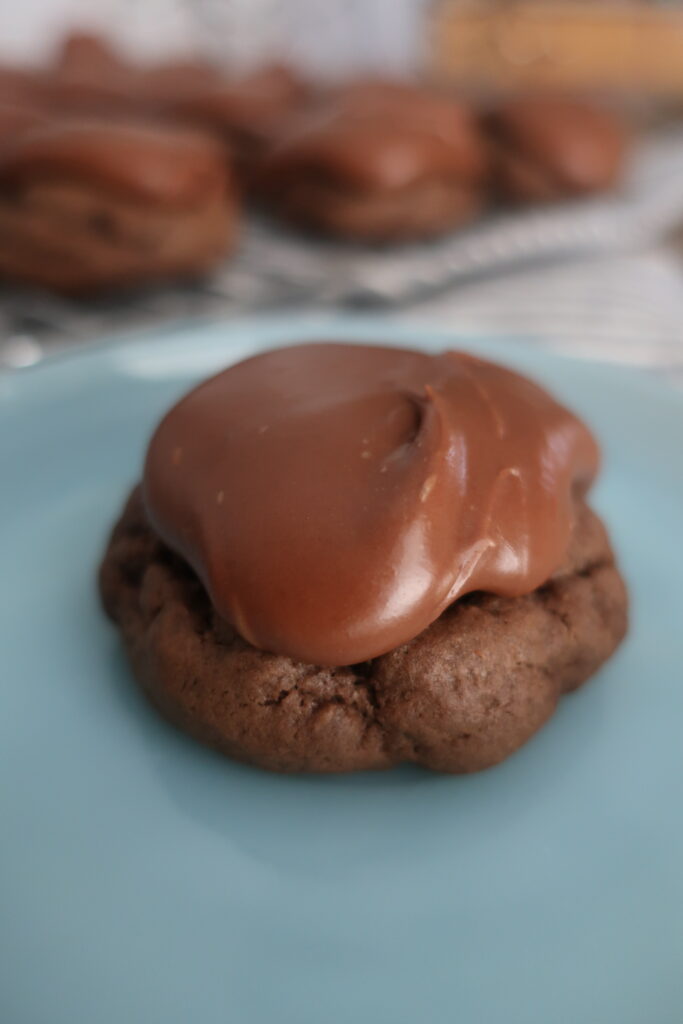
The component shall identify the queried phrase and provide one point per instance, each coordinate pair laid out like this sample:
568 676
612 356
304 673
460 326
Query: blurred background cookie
89 205
88 75
552 147
379 161
17 116
246 111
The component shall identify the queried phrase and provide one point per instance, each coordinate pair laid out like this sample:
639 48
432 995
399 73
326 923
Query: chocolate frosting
158 165
16 117
238 103
19 85
87 55
335 499
89 75
572 144
382 135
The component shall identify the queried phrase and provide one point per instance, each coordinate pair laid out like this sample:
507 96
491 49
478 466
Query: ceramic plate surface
145 880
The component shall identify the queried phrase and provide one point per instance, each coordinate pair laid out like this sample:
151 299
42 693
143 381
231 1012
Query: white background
326 36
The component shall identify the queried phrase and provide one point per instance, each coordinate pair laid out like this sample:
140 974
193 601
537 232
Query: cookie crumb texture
461 696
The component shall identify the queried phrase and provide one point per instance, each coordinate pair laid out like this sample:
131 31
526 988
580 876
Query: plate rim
271 327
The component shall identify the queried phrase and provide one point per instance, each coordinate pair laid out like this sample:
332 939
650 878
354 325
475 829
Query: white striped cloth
625 308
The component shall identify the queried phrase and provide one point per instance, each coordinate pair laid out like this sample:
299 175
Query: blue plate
145 880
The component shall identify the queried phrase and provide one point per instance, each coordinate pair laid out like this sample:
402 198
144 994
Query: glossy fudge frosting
334 499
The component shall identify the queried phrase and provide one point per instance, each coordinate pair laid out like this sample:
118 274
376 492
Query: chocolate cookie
92 205
348 556
549 148
89 76
461 696
17 117
378 162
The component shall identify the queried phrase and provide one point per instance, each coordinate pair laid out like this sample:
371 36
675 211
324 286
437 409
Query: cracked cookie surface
461 696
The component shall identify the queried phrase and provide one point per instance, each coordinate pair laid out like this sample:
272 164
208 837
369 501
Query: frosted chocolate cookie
378 162
92 205
346 557
549 148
